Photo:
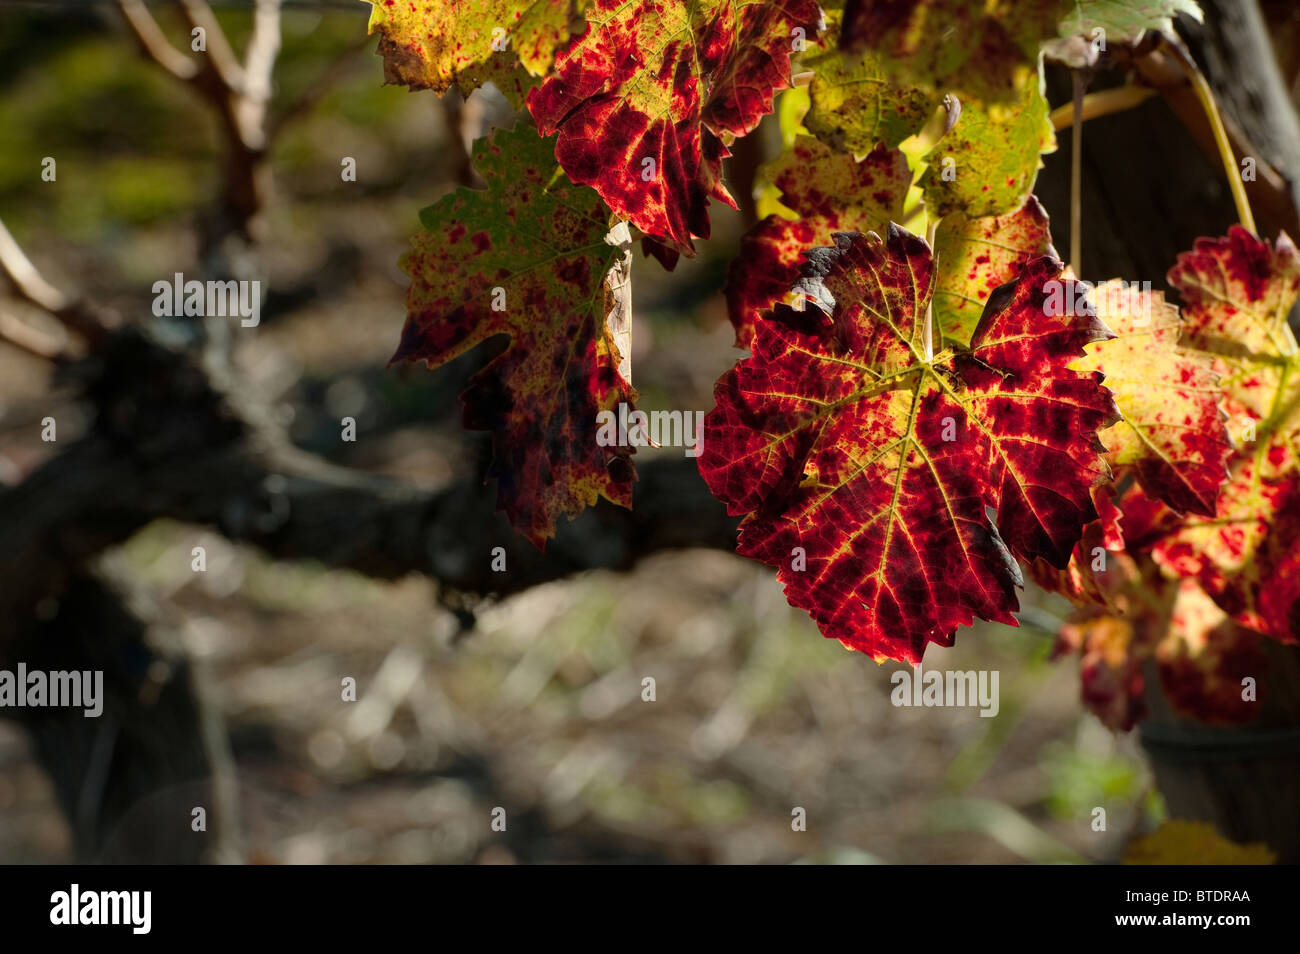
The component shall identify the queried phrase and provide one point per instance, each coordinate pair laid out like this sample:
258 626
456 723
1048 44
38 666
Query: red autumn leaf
527 258
1237 292
647 99
1099 570
830 192
1199 654
865 466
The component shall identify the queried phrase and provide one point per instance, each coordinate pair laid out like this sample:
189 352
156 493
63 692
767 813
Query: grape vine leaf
1099 571
987 163
1237 292
854 106
1199 654
987 49
1110 670
1202 658
526 257
1125 20
466 43
864 468
883 87
978 254
827 192
1092 24
647 100
1172 433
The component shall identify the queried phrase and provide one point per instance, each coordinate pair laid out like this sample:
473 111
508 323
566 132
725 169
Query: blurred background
532 702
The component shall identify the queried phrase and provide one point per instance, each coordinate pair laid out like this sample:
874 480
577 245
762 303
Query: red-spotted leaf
466 43
988 162
888 67
986 48
853 107
1171 433
1202 658
829 192
865 467
647 99
527 258
976 255
1237 292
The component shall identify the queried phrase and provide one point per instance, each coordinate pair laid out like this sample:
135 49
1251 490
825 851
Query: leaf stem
1206 97
927 333
1076 179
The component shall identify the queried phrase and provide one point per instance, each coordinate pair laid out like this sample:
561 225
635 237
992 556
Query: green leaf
1124 20
527 258
855 105
985 47
467 43
987 163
